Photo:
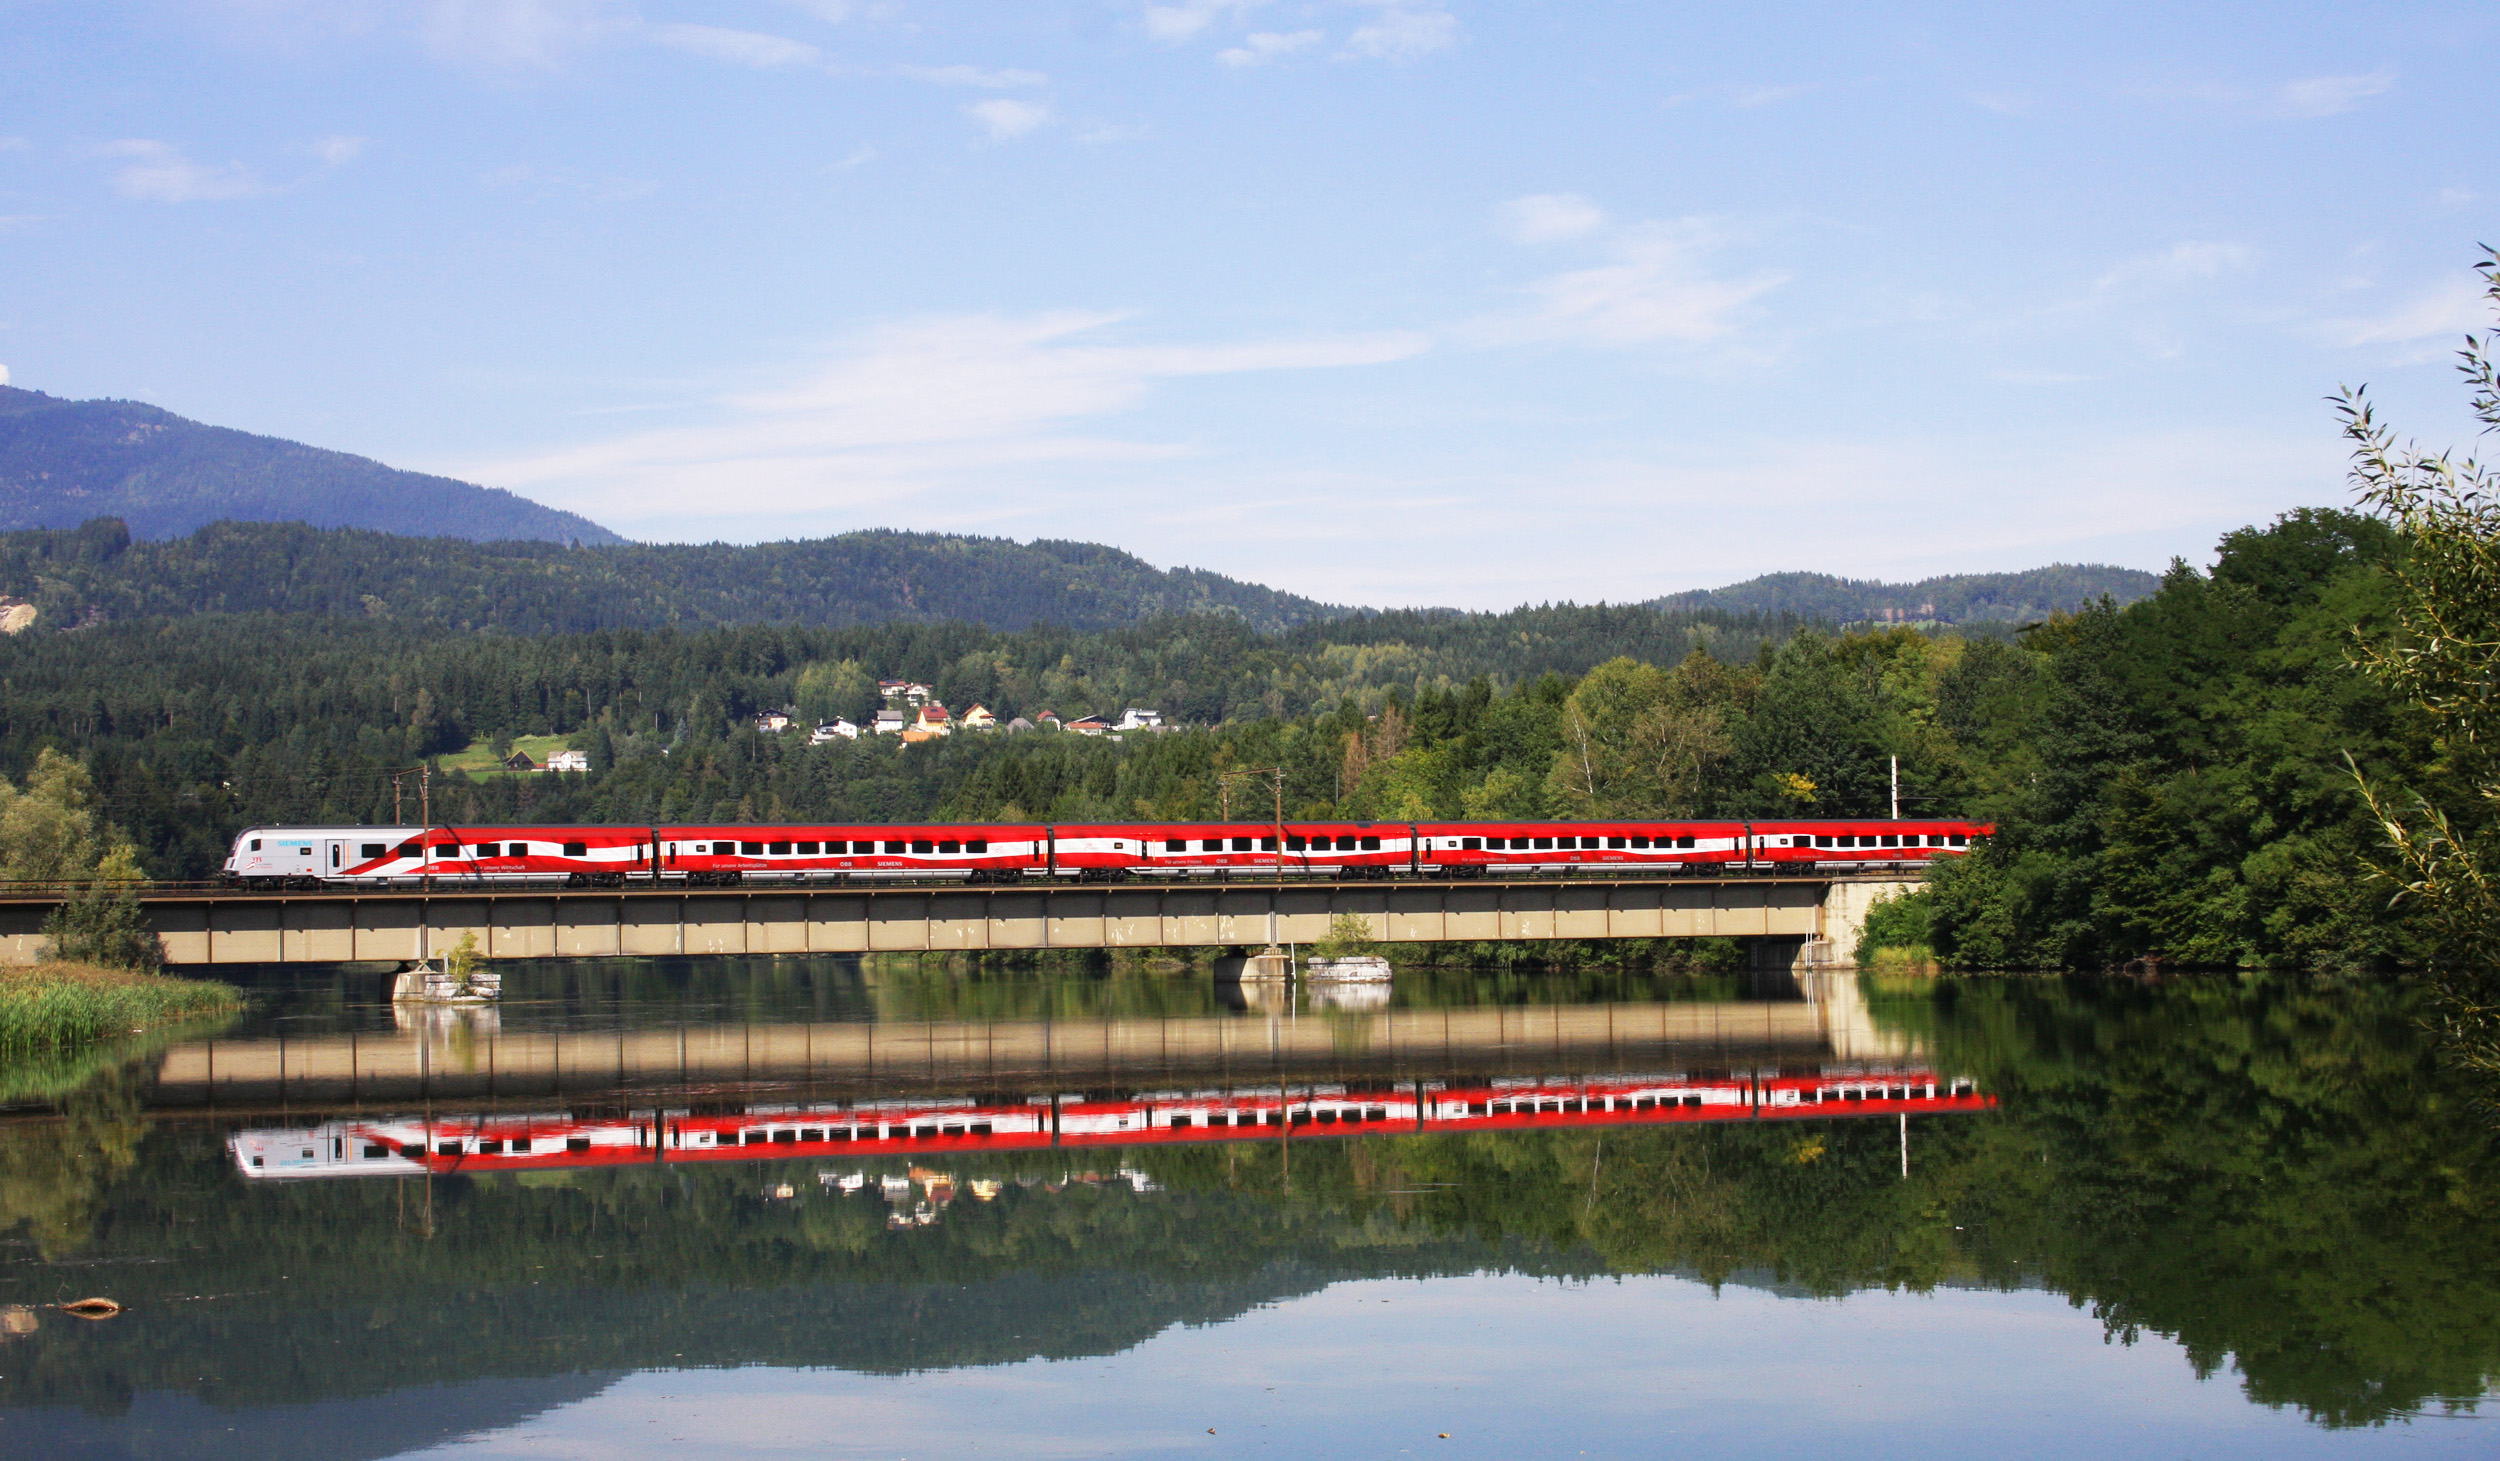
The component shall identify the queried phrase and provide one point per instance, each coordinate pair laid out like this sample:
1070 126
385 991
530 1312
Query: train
930 1125
276 858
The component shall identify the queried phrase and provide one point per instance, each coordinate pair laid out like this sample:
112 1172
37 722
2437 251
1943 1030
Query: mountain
99 572
1958 598
65 462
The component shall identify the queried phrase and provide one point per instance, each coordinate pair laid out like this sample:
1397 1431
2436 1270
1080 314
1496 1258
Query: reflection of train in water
911 1126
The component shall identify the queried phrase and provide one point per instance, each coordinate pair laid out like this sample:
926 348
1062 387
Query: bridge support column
1844 922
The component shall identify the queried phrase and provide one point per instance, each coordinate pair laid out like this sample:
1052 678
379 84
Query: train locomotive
276 858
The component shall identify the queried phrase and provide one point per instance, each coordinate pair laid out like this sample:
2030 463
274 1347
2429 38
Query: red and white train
920 1126
284 857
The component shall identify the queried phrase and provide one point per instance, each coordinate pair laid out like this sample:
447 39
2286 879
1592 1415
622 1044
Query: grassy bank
53 1006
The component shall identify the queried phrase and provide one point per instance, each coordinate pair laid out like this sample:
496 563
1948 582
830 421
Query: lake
815 1207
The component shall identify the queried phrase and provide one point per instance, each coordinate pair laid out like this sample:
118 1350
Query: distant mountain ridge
65 462
98 571
1957 598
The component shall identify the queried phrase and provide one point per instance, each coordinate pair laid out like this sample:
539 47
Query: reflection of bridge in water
465 1055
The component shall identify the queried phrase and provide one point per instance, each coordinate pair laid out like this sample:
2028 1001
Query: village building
836 729
569 761
1018 724
904 690
1135 719
772 722
1046 720
977 718
891 722
519 761
1089 725
935 720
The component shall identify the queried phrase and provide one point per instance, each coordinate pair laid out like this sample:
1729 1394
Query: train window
893 847
1321 844
1589 843
375 1151
950 846
411 849
484 849
807 849
1822 839
1470 844
923 844
256 844
780 849
1892 839
1957 840
1241 844
1544 843
1176 844
1371 844
858 849
1267 844
373 850
304 851
977 846
1211 844
1640 844
750 849
1295 842
1684 842
577 849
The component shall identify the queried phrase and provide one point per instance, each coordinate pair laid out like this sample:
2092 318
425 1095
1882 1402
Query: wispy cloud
1172 23
2443 315
911 407
158 173
2181 263
1399 31
737 47
2301 98
1738 94
2327 96
1007 119
519 34
1262 46
1547 217
1656 286
986 77
337 151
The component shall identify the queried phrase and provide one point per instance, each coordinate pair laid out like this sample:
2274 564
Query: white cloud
833 12
1007 119
1262 46
1171 23
2443 314
1654 288
2327 96
1546 217
1403 32
2181 263
4 375
337 151
159 173
512 34
738 47
909 408
987 78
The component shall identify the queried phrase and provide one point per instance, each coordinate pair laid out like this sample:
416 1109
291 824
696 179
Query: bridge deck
522 922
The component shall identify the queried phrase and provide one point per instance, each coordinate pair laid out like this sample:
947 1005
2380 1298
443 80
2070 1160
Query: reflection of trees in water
2277 1173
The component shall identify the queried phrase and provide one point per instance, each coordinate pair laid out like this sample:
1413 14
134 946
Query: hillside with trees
1959 598
64 462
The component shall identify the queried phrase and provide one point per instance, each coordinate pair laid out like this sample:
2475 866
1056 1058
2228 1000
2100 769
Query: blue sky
1386 301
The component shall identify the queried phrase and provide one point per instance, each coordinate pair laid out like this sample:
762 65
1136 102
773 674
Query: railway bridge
1791 921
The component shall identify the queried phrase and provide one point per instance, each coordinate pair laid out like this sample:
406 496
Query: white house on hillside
569 761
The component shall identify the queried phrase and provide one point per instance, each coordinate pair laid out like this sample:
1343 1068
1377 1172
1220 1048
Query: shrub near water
50 1005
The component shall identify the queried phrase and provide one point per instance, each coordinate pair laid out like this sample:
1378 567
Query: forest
2169 778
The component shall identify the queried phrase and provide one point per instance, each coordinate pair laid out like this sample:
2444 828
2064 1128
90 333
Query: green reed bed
52 1006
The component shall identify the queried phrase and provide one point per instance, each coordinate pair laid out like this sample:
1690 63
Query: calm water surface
737 1208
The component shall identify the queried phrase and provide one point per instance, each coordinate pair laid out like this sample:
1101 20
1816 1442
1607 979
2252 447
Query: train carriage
293 857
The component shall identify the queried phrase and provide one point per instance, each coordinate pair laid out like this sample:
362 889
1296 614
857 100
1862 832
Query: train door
334 858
